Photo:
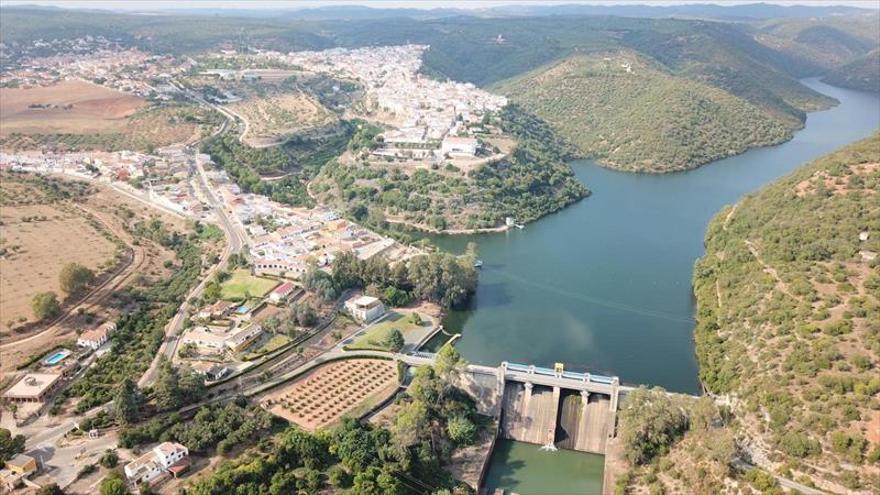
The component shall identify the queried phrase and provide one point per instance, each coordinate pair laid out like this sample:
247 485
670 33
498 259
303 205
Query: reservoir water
605 284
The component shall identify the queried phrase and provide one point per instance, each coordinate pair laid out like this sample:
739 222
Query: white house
365 308
459 146
217 338
96 337
165 458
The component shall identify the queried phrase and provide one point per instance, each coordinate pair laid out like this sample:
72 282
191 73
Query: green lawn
377 336
243 285
268 345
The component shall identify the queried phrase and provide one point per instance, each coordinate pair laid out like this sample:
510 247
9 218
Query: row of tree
441 278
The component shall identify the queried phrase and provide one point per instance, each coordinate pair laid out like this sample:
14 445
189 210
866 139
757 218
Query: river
605 285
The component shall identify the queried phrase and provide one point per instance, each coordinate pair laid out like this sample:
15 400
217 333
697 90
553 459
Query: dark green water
605 285
527 470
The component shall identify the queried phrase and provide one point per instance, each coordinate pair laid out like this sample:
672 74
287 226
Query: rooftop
32 385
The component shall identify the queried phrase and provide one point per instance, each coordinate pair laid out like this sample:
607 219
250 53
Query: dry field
333 391
75 107
272 118
142 265
36 251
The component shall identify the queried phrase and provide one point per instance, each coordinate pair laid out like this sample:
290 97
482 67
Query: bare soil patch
835 185
144 265
36 250
75 107
333 391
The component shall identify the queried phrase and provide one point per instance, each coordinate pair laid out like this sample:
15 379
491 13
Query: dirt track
17 348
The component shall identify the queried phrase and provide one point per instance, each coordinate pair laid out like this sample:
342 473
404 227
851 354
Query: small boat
478 264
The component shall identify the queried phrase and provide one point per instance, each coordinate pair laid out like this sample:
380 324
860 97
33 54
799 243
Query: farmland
38 239
75 107
335 390
83 116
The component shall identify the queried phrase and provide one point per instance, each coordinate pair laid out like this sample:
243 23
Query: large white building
365 308
165 458
459 146
216 338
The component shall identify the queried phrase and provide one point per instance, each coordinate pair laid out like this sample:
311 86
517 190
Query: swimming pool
56 357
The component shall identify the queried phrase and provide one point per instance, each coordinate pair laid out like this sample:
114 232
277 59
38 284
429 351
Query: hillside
531 181
789 319
632 114
788 342
862 73
822 43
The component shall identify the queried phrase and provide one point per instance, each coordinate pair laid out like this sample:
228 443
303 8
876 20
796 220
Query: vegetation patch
788 315
383 336
241 286
633 114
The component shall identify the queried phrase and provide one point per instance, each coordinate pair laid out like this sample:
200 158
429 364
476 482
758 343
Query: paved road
784 482
235 240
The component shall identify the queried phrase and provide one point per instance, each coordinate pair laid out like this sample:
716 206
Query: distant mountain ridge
753 11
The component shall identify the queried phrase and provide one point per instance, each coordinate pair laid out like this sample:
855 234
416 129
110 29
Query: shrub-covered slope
633 114
862 73
789 318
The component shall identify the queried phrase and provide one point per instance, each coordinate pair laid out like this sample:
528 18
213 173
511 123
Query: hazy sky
422 4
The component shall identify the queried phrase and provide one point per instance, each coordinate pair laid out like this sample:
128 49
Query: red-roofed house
282 292
96 337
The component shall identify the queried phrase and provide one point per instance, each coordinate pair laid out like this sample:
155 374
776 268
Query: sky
421 4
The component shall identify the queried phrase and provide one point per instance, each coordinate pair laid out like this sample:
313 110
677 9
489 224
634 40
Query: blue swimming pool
56 357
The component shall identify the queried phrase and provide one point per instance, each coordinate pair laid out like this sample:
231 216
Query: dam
553 408
557 409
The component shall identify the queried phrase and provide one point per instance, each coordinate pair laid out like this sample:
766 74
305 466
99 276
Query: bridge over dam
549 407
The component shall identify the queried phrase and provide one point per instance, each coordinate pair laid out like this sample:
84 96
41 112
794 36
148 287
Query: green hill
821 43
632 114
789 317
862 73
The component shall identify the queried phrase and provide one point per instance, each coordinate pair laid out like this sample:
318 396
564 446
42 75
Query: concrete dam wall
543 415
583 426
529 413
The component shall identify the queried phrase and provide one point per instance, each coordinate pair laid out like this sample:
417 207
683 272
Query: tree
45 305
461 430
167 388
126 403
109 460
75 277
449 363
113 486
10 445
303 315
52 489
394 341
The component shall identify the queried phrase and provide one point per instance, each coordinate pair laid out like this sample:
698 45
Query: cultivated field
270 119
344 388
75 107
